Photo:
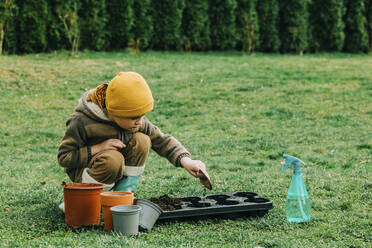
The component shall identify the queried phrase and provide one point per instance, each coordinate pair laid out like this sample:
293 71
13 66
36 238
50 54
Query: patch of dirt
167 203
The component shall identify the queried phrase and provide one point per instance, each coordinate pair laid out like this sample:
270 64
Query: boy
108 138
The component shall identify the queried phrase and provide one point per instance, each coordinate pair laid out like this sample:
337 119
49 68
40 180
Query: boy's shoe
86 178
131 178
127 183
62 206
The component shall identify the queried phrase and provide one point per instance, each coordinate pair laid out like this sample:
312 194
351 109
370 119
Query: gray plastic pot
126 219
149 214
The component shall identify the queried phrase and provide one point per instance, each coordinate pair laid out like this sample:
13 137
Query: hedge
356 39
196 26
286 26
327 26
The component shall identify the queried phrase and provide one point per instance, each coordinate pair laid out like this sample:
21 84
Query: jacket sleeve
73 151
164 144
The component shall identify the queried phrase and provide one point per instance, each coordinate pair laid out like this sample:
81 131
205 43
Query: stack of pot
112 199
83 203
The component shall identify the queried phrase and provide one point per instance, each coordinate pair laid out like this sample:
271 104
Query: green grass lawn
238 114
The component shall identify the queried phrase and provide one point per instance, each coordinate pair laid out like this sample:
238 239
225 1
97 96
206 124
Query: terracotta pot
82 203
111 199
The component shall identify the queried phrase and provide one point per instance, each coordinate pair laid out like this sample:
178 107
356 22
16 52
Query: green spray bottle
298 202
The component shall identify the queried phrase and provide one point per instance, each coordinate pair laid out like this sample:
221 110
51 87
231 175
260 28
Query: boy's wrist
183 158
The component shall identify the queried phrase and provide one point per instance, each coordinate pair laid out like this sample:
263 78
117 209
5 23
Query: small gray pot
149 214
126 219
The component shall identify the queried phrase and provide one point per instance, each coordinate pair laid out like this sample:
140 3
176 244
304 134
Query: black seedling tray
242 203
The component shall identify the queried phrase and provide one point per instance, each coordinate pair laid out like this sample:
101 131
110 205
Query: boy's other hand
198 170
110 144
193 166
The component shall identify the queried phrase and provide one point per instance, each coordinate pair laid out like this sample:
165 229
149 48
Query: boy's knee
137 151
140 142
107 166
114 161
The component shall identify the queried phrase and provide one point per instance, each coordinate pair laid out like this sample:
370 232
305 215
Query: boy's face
128 123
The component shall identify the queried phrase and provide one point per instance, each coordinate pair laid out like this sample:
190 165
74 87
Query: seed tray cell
242 203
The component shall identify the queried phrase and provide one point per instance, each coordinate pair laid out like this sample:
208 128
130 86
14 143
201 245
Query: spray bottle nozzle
289 160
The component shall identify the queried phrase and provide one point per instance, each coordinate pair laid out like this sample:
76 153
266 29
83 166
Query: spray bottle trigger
289 160
285 167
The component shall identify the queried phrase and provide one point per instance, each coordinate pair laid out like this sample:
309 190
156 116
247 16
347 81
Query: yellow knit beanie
128 95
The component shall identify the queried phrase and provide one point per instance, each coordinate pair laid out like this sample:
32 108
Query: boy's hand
197 169
193 166
110 144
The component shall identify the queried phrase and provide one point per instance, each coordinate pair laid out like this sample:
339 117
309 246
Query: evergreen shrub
167 19
368 5
247 29
356 39
293 26
268 21
195 26
223 28
31 26
326 25
93 19
142 29
8 10
120 22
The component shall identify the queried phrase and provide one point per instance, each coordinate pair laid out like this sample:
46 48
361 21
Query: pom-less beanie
128 95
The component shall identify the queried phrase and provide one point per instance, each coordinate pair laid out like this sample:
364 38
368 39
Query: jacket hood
91 109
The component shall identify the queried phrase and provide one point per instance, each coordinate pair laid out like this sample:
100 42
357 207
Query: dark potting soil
166 203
